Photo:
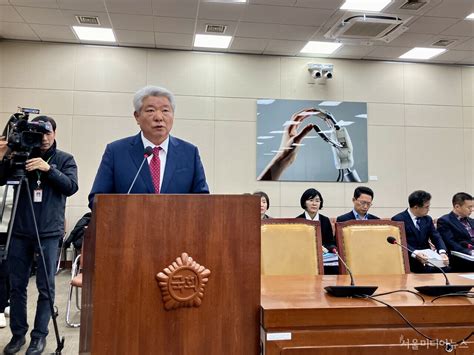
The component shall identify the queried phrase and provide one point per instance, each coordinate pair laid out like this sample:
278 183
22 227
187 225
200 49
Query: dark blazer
454 232
350 216
326 231
184 172
418 239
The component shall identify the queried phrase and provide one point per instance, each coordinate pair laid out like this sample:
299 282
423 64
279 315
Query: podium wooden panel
133 237
299 318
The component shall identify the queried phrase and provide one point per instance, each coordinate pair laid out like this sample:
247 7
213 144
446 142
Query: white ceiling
273 27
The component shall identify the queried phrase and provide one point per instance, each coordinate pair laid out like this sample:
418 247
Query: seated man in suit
457 230
419 230
362 200
174 167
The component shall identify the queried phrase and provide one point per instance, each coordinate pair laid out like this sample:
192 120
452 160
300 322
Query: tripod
19 180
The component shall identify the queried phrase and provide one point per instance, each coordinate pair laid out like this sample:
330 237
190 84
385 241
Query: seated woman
264 203
312 201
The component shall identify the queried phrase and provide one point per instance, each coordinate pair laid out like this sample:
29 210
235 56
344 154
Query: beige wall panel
468 86
297 83
110 69
385 114
194 107
73 214
247 76
469 159
435 162
112 104
235 153
49 102
372 81
184 73
38 65
201 134
468 116
387 163
432 84
230 109
64 132
91 135
434 116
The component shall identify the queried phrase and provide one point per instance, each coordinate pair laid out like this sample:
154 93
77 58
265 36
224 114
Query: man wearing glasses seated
362 200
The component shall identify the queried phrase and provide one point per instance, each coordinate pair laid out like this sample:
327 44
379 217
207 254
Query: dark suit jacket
326 231
184 172
454 232
418 239
350 216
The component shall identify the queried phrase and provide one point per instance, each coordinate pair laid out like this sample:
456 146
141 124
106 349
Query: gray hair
151 90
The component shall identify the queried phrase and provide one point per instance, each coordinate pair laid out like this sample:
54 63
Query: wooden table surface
289 301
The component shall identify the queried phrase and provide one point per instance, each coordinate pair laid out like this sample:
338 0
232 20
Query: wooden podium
132 238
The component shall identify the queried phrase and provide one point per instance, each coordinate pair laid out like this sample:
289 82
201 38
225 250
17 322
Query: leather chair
363 246
291 247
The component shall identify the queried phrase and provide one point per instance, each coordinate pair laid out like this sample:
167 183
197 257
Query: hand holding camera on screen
290 143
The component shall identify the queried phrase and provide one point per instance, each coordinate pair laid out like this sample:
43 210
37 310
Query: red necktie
155 164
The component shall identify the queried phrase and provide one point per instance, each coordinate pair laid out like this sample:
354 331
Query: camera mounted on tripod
23 137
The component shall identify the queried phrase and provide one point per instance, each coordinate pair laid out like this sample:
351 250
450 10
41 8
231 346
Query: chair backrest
364 247
291 247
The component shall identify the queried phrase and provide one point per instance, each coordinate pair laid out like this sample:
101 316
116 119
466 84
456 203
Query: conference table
298 317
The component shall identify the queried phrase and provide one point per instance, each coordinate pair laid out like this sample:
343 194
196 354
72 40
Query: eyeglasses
364 203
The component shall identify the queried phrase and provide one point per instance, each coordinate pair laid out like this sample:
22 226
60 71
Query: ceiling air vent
413 5
215 28
367 27
444 42
88 20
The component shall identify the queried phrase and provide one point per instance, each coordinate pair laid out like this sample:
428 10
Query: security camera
328 75
316 74
321 71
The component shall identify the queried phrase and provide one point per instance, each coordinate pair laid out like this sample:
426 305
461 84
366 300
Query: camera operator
52 176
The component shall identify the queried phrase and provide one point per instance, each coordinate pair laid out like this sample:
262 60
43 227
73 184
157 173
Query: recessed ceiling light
422 53
365 5
330 103
98 34
470 17
315 47
212 41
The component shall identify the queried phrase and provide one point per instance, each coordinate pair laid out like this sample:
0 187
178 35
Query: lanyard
38 174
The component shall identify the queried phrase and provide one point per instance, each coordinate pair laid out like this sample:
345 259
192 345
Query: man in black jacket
457 230
362 200
52 176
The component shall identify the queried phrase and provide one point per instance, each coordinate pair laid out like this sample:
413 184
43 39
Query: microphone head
148 151
465 244
391 240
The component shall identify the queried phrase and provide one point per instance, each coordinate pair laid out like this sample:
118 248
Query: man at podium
173 165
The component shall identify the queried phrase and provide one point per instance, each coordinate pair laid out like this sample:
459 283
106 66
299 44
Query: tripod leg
42 263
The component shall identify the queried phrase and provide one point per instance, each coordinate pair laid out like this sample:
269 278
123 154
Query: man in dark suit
175 165
419 230
362 200
457 230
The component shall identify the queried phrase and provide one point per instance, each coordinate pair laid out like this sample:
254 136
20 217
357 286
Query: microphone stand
434 290
352 290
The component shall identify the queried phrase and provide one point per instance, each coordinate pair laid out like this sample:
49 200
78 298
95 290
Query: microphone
352 290
434 290
148 152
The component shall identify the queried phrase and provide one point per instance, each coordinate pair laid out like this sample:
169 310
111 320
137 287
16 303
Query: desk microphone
434 290
352 290
148 152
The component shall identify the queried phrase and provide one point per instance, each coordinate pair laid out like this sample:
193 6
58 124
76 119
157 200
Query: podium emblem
182 283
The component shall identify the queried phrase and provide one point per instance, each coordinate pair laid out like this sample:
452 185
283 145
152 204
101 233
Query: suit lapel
136 154
171 159
412 224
